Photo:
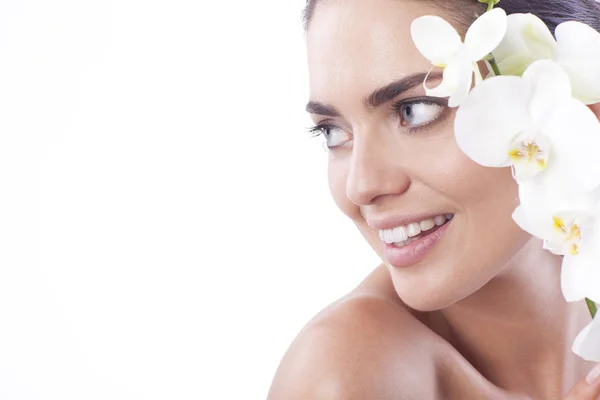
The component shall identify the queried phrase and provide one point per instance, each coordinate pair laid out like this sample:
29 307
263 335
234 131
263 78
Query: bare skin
481 316
370 345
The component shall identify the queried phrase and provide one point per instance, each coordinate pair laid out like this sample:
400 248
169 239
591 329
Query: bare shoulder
361 347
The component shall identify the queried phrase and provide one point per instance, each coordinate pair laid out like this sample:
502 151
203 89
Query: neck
518 330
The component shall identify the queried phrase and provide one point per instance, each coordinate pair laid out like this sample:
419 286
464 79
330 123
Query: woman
469 308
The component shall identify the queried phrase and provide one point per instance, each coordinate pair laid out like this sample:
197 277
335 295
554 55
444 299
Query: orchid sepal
439 42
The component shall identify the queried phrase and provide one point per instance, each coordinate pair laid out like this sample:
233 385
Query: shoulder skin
362 347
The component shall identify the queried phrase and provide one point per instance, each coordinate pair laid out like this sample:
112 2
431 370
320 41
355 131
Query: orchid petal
579 276
530 155
575 134
435 39
548 82
529 225
456 82
464 80
534 226
572 280
578 52
534 214
580 205
444 89
580 271
567 224
586 344
486 33
527 39
543 73
515 64
482 129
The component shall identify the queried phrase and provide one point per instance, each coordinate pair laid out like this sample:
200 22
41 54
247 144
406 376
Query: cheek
488 197
484 189
472 187
485 199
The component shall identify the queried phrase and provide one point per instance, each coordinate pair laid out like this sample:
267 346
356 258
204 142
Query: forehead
355 46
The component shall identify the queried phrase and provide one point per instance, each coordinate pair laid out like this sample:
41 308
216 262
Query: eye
334 136
419 113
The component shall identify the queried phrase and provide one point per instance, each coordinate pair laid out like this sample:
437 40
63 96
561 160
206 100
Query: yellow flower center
572 234
529 152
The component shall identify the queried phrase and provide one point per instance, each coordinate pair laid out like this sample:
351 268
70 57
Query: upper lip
391 222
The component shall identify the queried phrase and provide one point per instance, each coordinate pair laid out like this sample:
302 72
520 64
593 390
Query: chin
425 303
417 290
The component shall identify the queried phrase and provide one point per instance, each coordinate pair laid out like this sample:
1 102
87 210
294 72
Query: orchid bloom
576 49
586 344
569 226
441 44
533 124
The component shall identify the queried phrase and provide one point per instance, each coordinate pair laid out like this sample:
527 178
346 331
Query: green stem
592 307
490 5
495 67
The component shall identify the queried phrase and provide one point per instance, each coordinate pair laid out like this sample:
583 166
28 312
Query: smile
403 235
406 245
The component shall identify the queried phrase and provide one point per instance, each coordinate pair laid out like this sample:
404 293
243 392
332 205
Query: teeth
403 235
389 236
413 230
400 234
427 225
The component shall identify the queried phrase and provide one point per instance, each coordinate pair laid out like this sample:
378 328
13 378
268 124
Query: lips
416 250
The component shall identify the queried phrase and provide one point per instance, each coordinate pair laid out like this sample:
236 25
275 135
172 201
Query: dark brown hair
552 12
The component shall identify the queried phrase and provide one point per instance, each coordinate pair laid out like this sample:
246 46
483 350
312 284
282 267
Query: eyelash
436 101
322 128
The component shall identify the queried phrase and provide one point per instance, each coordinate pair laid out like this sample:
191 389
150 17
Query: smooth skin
482 315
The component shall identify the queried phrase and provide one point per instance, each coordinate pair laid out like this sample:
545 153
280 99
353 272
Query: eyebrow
378 97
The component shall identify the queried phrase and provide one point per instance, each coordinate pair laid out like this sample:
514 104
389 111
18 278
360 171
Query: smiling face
393 157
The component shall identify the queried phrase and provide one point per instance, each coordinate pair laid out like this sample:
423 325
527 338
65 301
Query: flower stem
592 307
495 67
490 4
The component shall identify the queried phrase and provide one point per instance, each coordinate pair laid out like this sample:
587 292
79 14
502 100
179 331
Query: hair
552 12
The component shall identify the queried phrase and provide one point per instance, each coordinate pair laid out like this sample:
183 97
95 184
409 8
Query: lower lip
402 257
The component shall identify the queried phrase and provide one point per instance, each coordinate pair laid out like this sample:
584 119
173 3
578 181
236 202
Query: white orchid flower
569 226
527 39
441 44
576 49
578 52
533 124
586 344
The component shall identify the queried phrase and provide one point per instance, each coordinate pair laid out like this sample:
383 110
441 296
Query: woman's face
393 158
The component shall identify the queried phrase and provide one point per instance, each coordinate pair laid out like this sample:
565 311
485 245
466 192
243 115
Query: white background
165 223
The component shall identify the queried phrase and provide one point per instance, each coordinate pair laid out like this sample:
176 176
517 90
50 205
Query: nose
375 170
